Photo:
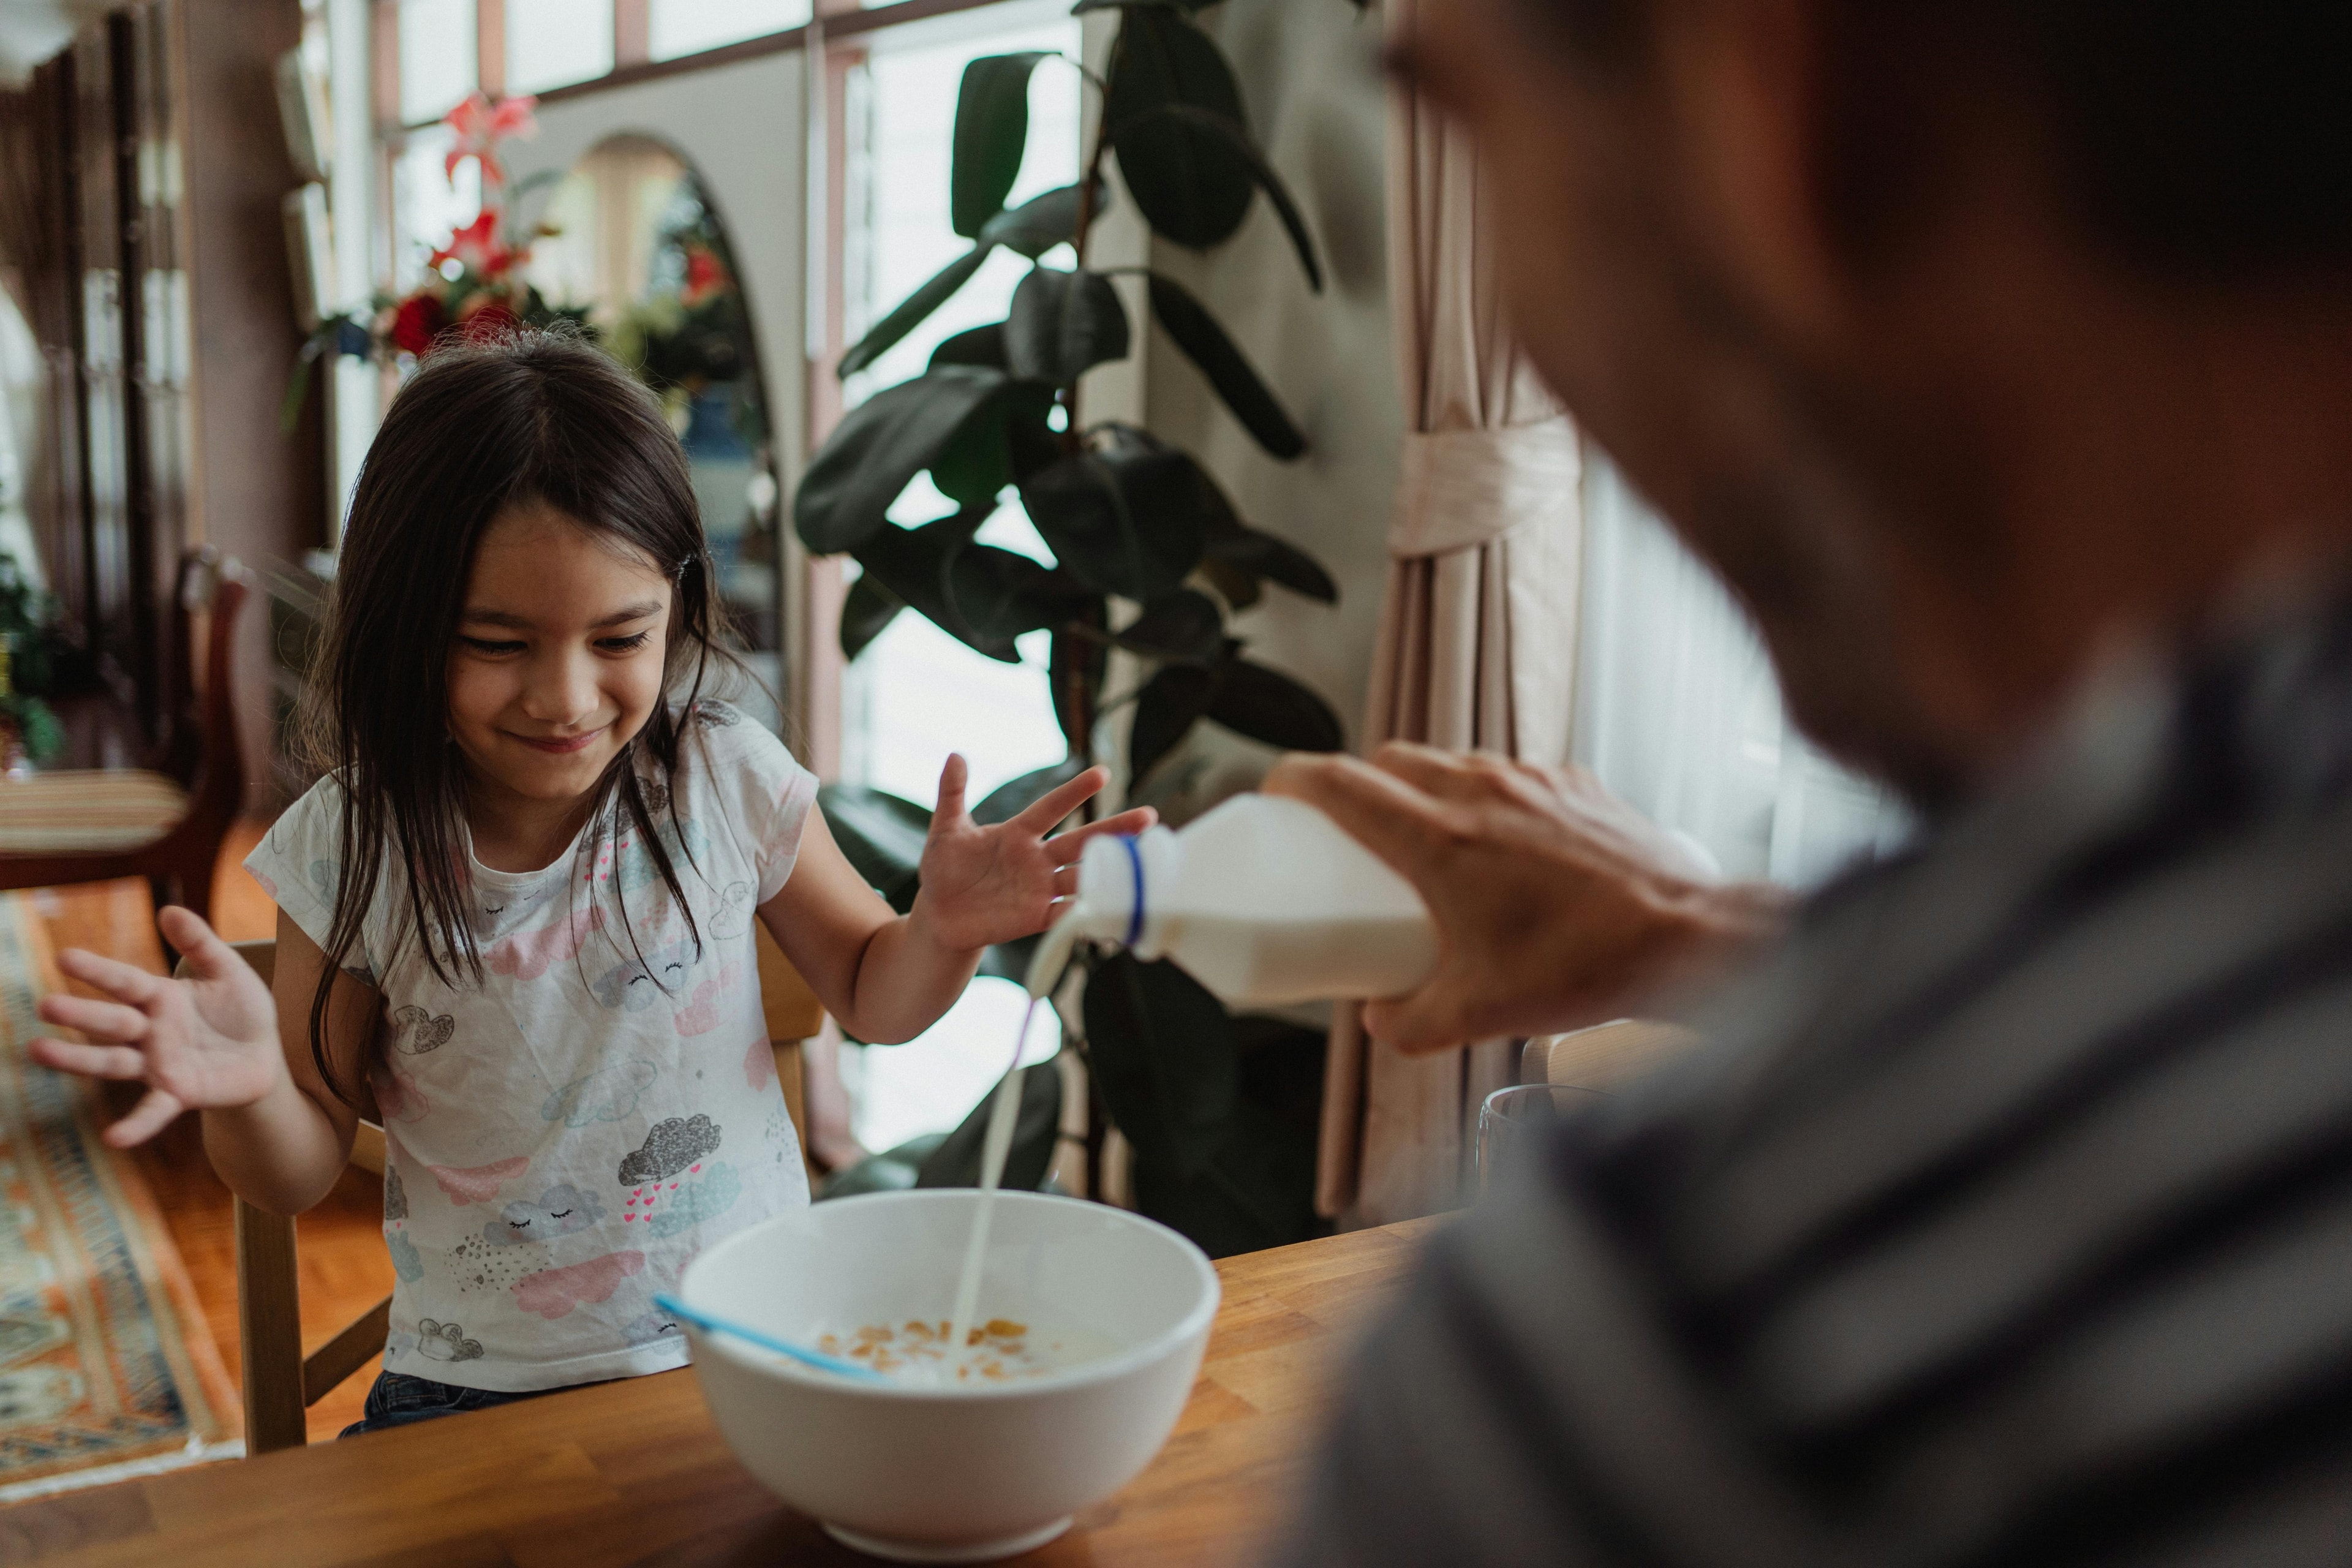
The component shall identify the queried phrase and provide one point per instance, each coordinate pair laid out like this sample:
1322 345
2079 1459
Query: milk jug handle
1135 908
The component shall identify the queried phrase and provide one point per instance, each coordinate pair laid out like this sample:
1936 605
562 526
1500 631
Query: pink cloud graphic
553 1292
759 1063
701 1013
529 954
396 1094
479 1184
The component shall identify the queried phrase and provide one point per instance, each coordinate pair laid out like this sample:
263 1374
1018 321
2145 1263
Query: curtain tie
1459 488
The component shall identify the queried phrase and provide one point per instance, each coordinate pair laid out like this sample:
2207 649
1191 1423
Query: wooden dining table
634 1472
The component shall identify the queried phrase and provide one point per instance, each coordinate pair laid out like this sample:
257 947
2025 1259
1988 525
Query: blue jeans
397 1399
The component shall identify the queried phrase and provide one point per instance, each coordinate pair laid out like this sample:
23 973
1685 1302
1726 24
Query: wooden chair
165 822
1604 1056
281 1383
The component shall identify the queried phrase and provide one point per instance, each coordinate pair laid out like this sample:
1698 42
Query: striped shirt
2006 1220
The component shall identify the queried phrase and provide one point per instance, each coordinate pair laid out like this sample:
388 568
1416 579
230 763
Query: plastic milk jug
1264 901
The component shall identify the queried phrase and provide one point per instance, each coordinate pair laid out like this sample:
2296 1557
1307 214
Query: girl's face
558 660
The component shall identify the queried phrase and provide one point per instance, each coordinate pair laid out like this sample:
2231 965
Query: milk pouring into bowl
1264 901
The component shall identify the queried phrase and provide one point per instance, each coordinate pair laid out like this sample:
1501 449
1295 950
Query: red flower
419 320
479 126
478 248
706 274
486 320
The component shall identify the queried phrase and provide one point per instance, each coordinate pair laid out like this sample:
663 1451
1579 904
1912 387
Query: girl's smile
557 743
559 661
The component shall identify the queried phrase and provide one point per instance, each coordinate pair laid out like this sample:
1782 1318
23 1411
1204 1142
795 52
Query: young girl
515 916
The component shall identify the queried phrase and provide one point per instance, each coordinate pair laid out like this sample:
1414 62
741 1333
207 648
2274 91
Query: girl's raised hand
983 885
209 1042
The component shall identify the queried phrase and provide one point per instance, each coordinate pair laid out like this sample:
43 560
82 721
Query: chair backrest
1605 1055
280 1383
197 745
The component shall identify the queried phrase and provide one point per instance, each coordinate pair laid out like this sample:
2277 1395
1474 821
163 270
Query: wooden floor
345 1268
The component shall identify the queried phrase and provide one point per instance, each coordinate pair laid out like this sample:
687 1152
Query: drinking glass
1515 1123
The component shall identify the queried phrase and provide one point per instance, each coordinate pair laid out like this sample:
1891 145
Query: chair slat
360 1341
269 1330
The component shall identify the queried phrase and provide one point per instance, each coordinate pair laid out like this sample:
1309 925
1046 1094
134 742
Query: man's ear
1744 80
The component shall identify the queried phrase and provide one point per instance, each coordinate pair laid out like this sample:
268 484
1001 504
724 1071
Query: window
1679 711
426 203
917 694
438 64
677 27
553 43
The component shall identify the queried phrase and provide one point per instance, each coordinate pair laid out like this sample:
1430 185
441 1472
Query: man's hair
2200 139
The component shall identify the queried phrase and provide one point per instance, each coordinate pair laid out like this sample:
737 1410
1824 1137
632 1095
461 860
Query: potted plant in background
475 281
1150 557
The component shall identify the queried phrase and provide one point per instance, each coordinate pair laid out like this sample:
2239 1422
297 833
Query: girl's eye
627 644
490 645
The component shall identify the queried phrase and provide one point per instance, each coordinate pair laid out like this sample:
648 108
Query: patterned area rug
107 1369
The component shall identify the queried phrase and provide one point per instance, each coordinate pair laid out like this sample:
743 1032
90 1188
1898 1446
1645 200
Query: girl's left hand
983 885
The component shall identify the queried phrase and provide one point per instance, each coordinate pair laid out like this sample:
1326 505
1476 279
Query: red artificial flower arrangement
474 288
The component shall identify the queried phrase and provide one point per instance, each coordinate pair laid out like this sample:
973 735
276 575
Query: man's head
1958 337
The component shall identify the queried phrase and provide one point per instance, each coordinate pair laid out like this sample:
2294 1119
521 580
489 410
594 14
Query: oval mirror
635 237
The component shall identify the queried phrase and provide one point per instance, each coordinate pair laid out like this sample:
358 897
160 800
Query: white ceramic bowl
950 1473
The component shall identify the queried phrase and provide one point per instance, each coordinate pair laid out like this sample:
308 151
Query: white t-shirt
563 1139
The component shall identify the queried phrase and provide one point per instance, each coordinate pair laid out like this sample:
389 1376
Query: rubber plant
1150 556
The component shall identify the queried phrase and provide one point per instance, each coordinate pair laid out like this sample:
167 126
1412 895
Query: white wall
1310 75
741 127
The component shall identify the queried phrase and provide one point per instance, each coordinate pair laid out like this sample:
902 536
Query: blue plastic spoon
818 1359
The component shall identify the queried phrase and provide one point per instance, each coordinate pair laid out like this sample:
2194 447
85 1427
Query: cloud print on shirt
560 1210
670 1148
635 985
479 1184
704 1013
396 1094
529 954
606 1095
553 1292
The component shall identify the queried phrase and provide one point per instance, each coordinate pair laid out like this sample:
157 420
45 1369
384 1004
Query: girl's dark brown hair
529 416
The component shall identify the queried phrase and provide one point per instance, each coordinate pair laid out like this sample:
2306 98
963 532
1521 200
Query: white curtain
1677 710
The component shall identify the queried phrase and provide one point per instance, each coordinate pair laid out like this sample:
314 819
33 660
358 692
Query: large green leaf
1257 1191
978 346
1266 705
1185 626
868 608
1164 1057
912 311
1248 699
984 455
1129 517
992 129
1171 702
1010 799
1062 325
1204 343
1185 124
1041 222
976 593
878 447
1261 555
1035 1129
882 835
1193 184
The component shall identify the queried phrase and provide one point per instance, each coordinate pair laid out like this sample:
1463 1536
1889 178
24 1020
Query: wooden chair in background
1604 1056
281 1383
165 823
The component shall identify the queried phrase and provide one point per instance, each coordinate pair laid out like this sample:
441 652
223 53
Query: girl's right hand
206 1043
